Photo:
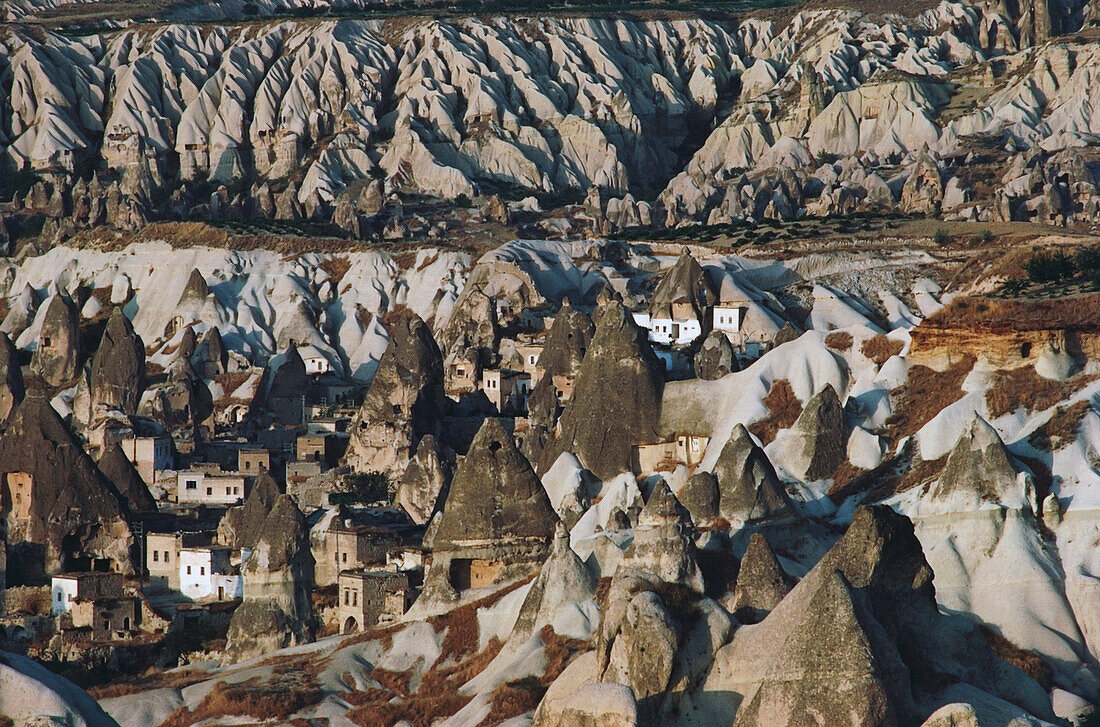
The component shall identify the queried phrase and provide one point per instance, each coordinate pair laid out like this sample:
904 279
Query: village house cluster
208 471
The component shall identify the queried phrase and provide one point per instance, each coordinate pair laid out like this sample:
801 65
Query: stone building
149 453
369 597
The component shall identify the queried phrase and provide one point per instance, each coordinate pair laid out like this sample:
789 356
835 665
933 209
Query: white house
205 572
666 329
67 589
727 317
315 361
196 486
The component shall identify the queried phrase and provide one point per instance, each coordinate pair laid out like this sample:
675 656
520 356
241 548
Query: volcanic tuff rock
120 471
404 402
663 547
57 358
11 379
286 385
923 190
61 505
860 634
837 666
424 483
33 696
496 503
182 404
748 487
587 704
761 583
700 495
638 639
564 586
562 353
979 470
241 527
277 610
686 283
616 398
565 345
210 355
815 445
118 367
715 357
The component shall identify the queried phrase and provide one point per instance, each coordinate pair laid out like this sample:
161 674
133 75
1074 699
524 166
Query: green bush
982 238
1050 267
363 489
941 237
1088 259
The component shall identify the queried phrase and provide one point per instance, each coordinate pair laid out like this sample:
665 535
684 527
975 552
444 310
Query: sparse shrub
1050 267
941 236
1015 286
982 238
1094 280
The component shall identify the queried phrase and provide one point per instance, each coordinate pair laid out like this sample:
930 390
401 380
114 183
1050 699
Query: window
166 556
347 597
248 465
209 490
156 556
188 570
59 596
202 570
344 557
191 484
229 491
355 598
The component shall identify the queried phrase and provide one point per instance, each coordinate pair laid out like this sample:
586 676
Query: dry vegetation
1023 387
784 408
880 349
843 480
247 699
511 700
925 393
1029 662
839 340
1061 429
1078 312
336 266
437 694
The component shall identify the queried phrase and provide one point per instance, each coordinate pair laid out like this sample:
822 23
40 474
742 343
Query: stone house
162 551
355 546
93 604
369 597
250 460
683 449
149 454
507 390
